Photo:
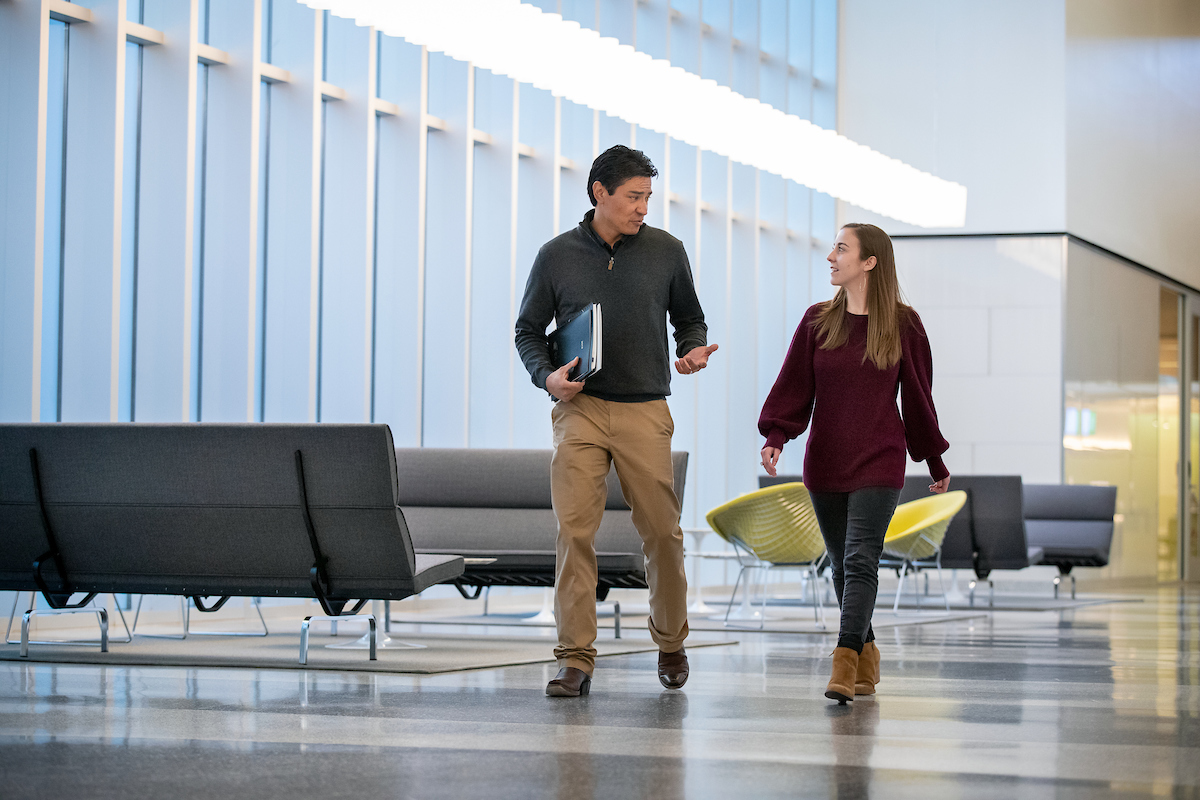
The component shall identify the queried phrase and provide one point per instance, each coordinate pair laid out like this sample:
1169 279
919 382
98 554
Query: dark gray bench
493 507
206 510
989 533
1071 525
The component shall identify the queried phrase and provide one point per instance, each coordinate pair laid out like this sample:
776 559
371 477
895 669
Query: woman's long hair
885 306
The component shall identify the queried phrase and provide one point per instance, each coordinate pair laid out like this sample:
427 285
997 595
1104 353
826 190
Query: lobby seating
773 528
914 538
493 507
1072 526
207 511
989 533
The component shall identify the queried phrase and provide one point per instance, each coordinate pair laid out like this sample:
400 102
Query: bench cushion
1067 502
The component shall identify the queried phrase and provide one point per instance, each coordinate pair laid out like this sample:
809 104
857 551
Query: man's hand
560 386
770 457
695 360
941 486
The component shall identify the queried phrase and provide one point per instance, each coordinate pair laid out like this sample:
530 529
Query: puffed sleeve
921 432
789 406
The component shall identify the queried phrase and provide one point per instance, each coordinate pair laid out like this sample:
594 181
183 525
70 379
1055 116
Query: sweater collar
585 225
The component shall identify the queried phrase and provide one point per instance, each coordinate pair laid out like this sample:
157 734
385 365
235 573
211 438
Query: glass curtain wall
1191 504
409 321
1169 429
1122 393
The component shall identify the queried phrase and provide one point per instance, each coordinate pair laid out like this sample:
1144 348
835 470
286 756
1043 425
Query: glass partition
1169 423
1191 534
1111 387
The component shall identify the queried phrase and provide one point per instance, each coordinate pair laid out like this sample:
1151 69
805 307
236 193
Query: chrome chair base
185 615
333 621
908 565
811 571
31 612
1058 580
991 593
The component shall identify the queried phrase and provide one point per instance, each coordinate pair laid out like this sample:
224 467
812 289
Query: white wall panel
231 302
24 30
446 255
972 92
713 285
92 273
290 368
165 220
347 221
397 270
992 307
535 226
963 337
741 342
492 263
1132 123
685 391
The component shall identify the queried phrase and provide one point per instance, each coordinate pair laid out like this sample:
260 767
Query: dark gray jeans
853 525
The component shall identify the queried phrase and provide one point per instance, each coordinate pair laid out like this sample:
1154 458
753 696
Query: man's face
624 209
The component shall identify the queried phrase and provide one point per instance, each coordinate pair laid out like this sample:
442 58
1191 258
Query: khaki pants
589 433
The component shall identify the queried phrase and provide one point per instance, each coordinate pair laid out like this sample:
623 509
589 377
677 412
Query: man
639 275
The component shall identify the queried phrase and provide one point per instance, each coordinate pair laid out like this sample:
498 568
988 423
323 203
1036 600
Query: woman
847 360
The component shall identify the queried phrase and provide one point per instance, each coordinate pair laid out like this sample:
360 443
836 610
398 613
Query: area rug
778 620
440 653
1003 602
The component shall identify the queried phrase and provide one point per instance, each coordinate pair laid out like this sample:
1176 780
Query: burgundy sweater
858 434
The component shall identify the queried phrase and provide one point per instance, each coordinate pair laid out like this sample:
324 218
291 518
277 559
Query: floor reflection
852 727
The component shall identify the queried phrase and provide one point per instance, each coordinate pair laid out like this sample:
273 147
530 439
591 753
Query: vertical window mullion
53 263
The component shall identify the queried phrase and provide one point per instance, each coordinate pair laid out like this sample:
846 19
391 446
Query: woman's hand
770 457
941 486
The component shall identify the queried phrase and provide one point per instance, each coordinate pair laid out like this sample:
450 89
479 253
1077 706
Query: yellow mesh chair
914 537
773 528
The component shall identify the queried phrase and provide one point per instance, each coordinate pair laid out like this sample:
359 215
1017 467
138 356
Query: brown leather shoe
868 670
673 669
845 670
569 682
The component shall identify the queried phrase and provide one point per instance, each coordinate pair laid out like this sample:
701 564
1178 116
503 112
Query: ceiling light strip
548 52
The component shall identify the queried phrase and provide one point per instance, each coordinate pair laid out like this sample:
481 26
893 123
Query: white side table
698 605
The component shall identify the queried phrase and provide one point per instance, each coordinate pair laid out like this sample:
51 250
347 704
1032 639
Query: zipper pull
610 263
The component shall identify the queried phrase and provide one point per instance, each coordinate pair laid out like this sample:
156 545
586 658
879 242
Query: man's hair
616 165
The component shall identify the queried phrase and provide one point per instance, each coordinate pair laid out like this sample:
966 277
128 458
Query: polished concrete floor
1102 701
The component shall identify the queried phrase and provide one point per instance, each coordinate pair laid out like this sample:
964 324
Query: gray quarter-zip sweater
638 283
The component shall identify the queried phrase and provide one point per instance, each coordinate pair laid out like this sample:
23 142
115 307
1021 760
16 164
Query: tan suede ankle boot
845 669
868 670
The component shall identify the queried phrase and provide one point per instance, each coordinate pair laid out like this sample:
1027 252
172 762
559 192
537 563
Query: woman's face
846 266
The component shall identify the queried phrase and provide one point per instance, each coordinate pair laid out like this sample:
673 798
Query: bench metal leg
371 633
101 615
31 612
971 592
